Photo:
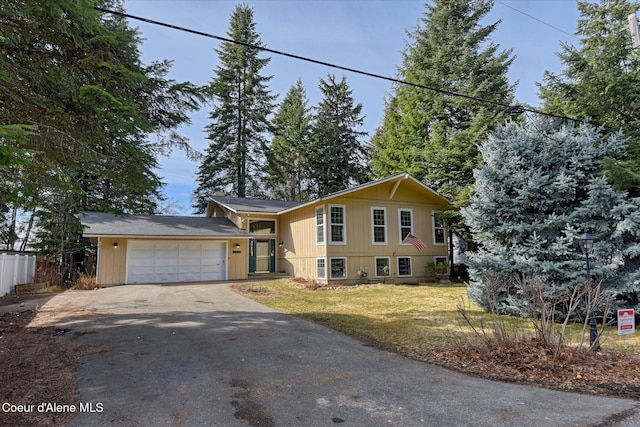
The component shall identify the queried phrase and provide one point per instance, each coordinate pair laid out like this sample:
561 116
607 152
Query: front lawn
423 322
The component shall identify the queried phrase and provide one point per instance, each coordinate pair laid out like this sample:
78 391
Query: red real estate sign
626 322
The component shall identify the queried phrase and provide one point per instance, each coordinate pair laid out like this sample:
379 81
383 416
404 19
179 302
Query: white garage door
165 261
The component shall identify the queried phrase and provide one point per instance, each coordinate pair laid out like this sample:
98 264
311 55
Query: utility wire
537 19
510 109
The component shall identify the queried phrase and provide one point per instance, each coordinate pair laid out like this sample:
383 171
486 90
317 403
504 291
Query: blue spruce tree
541 186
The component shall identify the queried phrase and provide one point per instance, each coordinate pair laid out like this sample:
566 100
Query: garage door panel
191 277
166 269
188 262
166 278
162 261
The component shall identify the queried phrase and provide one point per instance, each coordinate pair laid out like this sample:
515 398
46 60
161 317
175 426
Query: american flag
415 241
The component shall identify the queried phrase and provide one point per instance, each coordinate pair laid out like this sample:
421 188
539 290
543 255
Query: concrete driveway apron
201 355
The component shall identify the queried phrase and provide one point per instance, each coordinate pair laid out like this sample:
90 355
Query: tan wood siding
111 261
298 254
298 228
237 260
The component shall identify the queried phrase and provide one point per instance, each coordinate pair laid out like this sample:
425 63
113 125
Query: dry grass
85 282
397 315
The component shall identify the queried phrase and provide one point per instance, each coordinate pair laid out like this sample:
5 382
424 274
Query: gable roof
397 178
105 224
250 205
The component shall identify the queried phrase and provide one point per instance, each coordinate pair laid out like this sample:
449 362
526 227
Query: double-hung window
320 226
406 222
404 266
439 236
383 267
338 268
337 225
379 226
321 268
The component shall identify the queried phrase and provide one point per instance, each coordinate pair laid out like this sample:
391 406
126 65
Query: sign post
626 321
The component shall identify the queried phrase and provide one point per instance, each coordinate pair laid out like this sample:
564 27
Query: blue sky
367 35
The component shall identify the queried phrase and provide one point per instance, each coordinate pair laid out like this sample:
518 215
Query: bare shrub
546 314
85 282
47 272
549 316
595 298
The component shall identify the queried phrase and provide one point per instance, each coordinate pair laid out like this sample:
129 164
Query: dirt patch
39 364
601 373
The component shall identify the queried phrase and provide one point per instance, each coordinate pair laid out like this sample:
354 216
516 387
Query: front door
262 255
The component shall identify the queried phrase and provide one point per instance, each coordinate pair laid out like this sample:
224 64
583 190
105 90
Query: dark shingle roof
247 205
105 224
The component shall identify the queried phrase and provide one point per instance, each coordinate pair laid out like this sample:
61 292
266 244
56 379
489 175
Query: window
383 267
262 226
338 268
404 266
406 222
337 224
438 260
379 226
439 235
321 268
320 226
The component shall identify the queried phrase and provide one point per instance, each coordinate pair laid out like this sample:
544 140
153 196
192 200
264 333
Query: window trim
323 225
440 259
275 226
400 210
375 266
331 224
346 274
373 225
443 228
325 268
410 266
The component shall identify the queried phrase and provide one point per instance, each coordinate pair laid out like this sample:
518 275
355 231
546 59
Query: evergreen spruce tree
336 155
541 187
237 150
600 83
286 171
432 135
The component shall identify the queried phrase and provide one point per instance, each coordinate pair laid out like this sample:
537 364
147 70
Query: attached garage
165 249
165 261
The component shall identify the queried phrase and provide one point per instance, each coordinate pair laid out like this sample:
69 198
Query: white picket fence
15 269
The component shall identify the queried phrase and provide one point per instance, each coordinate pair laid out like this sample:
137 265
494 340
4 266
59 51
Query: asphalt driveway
201 355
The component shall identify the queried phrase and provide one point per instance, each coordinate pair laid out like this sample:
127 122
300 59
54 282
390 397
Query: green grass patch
403 318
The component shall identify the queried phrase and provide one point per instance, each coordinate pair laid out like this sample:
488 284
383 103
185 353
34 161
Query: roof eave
399 177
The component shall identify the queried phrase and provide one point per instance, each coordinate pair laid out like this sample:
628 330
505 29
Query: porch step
268 276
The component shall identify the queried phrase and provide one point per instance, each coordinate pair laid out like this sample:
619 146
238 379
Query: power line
536 19
512 109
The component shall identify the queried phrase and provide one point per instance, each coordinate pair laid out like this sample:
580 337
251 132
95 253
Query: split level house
352 236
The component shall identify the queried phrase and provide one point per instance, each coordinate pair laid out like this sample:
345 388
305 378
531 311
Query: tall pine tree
234 160
77 107
288 164
337 158
600 83
540 188
432 135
